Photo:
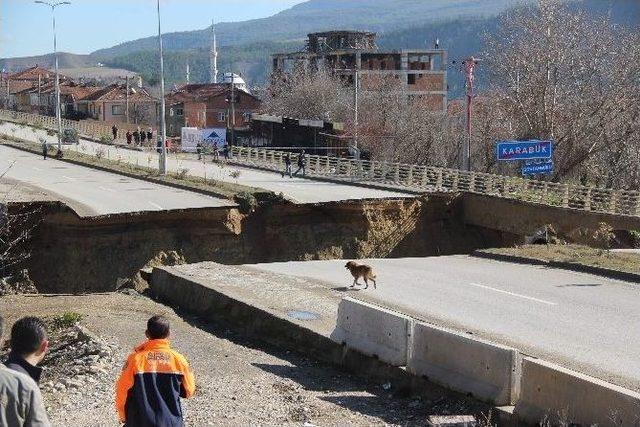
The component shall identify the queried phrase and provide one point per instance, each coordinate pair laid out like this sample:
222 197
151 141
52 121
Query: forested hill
320 15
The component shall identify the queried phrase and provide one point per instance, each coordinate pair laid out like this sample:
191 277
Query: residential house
209 106
109 104
15 87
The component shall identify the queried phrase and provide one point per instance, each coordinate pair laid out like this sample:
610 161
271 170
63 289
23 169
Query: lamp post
53 6
162 167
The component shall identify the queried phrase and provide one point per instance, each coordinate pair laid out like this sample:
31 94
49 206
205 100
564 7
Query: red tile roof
32 74
117 92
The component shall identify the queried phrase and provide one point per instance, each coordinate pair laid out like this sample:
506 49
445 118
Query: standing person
143 136
129 136
136 137
225 152
114 131
153 380
45 149
29 344
287 165
216 152
199 150
150 135
302 163
20 396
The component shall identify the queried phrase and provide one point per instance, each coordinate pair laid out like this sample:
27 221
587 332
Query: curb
131 175
572 266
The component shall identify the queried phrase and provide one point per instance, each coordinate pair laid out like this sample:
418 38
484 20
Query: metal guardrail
407 176
426 178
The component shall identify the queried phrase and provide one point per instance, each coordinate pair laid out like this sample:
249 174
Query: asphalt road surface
91 192
584 322
299 190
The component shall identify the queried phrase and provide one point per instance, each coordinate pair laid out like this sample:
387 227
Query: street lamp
162 167
55 54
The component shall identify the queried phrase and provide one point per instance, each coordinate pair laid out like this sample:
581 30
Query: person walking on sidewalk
45 149
302 163
129 136
114 131
287 165
153 380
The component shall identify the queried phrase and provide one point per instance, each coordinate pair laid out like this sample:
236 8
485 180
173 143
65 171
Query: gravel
239 382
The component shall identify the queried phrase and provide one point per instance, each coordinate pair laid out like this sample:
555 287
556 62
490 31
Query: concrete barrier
373 331
458 361
560 394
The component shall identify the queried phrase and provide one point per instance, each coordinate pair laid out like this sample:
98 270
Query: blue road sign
524 150
537 168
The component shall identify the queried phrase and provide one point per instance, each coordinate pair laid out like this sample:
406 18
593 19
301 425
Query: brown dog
364 271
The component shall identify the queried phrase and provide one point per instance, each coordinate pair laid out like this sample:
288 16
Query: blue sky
88 25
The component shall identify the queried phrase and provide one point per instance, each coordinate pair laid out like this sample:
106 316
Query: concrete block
552 391
373 331
458 361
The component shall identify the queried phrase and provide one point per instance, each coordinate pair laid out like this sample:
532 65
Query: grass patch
227 190
65 320
577 254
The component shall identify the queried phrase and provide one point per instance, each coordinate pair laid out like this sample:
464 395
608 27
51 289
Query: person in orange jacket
153 380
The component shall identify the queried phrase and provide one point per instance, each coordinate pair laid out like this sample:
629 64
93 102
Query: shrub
182 173
246 201
66 320
100 152
106 139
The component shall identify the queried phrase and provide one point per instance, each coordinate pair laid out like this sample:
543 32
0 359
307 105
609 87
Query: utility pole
233 109
162 167
355 132
469 67
55 53
39 93
126 113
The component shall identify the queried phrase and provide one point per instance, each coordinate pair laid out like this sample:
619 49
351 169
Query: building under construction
421 74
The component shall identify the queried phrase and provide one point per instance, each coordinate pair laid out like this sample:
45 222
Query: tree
562 75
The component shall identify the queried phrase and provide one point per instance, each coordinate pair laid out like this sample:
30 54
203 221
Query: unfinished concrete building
421 74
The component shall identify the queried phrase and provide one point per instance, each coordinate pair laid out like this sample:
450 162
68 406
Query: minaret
213 56
188 73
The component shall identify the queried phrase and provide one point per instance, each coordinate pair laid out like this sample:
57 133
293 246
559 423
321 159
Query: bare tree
17 224
562 75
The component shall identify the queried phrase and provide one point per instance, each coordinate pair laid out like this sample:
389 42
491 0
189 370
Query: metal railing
405 176
88 128
426 178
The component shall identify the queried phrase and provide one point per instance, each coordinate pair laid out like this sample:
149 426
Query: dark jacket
17 363
152 382
301 160
287 160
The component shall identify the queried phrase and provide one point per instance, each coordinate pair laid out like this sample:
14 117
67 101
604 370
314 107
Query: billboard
209 138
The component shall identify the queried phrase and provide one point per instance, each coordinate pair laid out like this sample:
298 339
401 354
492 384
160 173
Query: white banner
210 138
190 139
214 137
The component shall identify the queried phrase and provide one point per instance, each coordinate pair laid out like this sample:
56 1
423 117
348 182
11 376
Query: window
179 112
247 116
222 117
412 79
171 112
117 110
170 129
383 65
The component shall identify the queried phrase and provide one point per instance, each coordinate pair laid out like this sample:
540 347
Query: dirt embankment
73 254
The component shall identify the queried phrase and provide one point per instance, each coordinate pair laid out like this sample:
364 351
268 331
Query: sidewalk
299 190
